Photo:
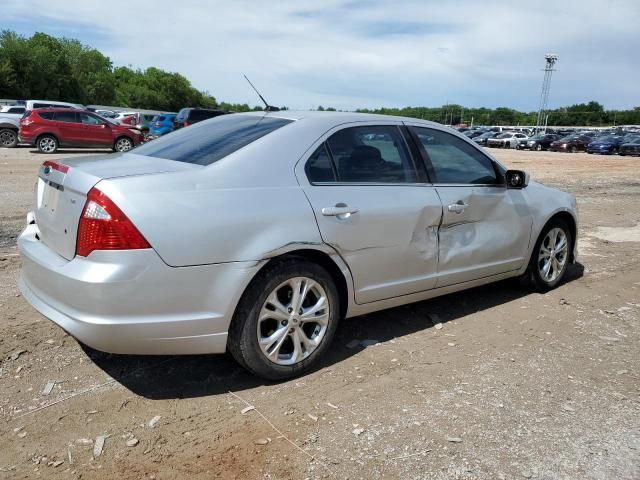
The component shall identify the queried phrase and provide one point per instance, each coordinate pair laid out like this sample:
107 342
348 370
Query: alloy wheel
47 145
552 256
123 145
7 138
293 321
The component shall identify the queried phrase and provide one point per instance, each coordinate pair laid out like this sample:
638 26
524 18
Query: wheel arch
123 135
47 134
568 218
330 261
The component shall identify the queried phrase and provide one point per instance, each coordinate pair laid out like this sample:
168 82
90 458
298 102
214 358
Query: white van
33 104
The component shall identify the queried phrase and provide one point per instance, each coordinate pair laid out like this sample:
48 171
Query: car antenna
267 107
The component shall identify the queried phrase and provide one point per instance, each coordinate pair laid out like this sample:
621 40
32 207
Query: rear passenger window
69 117
319 167
371 154
454 160
46 115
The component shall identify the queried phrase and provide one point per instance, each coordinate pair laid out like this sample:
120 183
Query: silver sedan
255 233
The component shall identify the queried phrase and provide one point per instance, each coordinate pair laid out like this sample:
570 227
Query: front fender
545 203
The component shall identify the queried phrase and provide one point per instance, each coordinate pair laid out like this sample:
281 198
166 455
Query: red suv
50 128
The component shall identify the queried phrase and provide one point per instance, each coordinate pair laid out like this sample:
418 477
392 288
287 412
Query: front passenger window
454 160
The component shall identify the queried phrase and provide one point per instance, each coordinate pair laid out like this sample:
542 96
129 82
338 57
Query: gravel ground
511 385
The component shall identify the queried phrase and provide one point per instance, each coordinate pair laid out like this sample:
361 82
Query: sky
351 54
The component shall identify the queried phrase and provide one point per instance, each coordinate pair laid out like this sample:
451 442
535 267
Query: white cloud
370 53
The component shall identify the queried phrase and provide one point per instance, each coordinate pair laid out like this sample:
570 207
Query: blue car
161 124
606 145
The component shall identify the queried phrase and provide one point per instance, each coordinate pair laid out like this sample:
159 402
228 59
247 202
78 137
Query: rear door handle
458 207
340 210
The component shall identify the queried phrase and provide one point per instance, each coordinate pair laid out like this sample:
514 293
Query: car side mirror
516 179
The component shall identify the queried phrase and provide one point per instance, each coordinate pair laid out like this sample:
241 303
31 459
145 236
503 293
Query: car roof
61 109
338 118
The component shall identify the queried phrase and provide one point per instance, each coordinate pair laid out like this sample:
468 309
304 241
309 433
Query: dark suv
189 116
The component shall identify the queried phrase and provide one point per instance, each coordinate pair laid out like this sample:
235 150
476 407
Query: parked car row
612 141
49 125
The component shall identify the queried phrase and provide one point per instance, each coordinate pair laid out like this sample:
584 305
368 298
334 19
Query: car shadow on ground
171 377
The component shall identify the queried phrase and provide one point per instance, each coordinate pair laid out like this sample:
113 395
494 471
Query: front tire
286 320
539 148
550 256
47 144
123 144
8 138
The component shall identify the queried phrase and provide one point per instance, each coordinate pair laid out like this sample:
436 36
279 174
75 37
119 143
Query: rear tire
265 328
47 144
573 150
8 138
553 248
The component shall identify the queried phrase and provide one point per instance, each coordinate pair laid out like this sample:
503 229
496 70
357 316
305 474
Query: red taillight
56 166
157 124
103 226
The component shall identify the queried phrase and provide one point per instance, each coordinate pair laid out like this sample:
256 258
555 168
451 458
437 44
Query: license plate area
50 198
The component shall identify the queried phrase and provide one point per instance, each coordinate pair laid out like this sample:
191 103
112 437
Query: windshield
105 119
207 142
568 138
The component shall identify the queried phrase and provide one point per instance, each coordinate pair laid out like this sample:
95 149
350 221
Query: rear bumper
130 301
27 140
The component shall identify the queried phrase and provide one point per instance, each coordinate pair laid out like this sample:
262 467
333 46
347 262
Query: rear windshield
160 118
197 115
207 142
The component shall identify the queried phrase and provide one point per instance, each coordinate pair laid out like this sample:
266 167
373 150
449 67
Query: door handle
340 210
457 207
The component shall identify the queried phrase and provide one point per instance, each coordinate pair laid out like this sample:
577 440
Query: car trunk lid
62 188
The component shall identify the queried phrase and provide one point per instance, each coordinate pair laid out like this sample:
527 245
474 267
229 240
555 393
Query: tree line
582 114
51 68
64 69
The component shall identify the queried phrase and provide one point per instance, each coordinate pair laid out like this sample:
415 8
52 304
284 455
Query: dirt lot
514 384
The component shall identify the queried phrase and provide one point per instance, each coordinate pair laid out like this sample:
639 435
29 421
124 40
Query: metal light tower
551 59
